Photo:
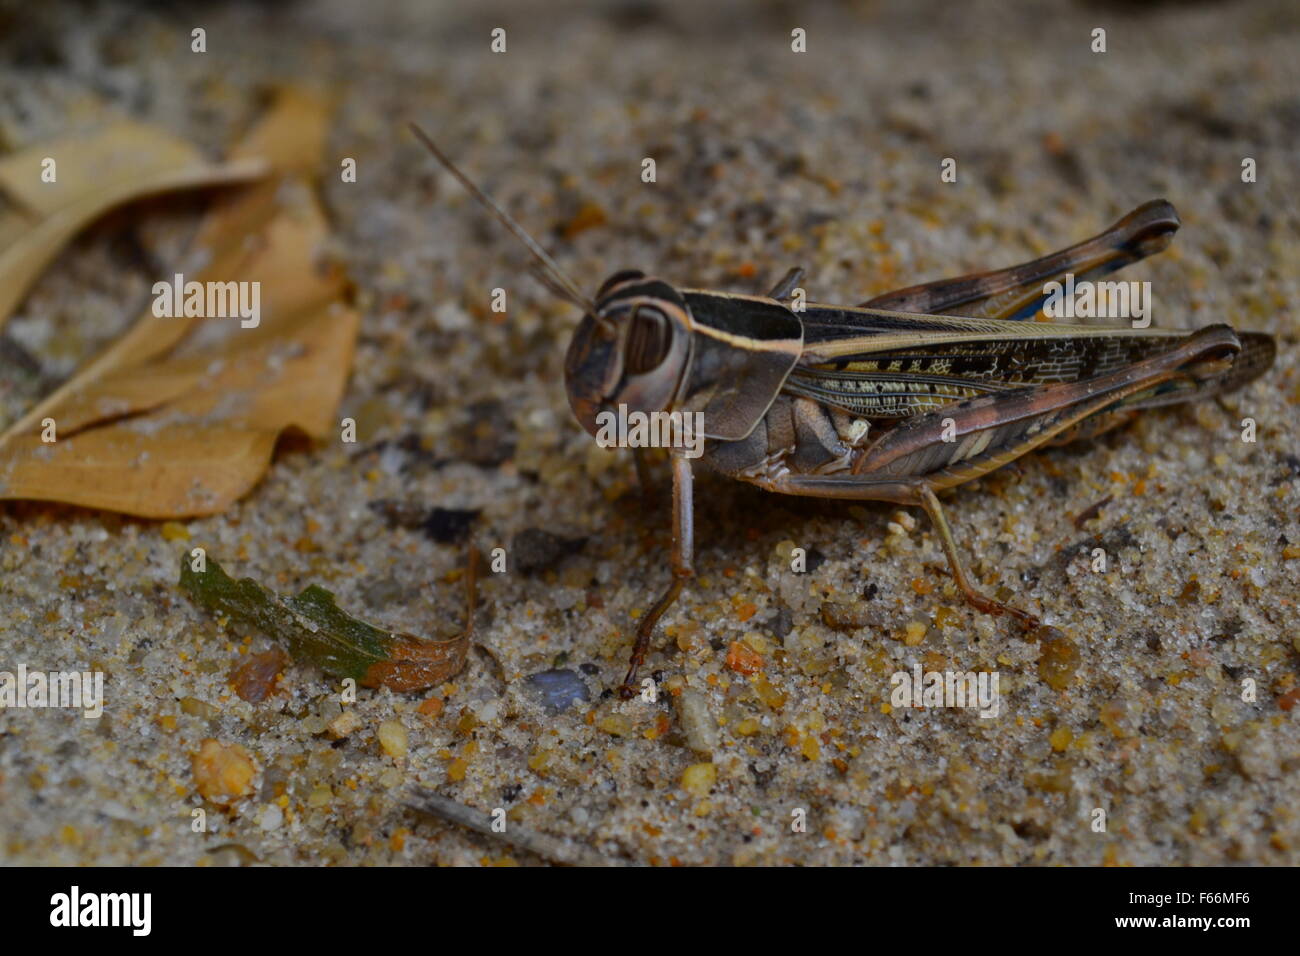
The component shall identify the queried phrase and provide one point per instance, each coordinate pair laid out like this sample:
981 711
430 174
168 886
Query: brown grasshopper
895 400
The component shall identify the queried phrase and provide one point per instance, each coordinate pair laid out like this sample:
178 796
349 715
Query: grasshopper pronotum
893 400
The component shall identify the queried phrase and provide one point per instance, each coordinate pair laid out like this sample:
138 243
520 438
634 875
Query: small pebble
557 690
915 633
619 725
742 659
1058 661
698 779
536 550
399 514
198 708
392 738
254 677
449 525
271 818
223 772
344 724
698 723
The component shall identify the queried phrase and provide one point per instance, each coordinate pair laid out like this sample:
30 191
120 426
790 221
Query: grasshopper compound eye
592 368
633 352
649 338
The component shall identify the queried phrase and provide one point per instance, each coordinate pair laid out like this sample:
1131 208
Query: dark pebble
487 437
399 514
534 549
783 622
557 690
448 525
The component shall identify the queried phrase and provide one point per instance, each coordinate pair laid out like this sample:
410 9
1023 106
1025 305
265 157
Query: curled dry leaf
316 631
180 416
93 172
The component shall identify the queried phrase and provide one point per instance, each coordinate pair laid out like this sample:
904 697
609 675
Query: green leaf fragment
317 631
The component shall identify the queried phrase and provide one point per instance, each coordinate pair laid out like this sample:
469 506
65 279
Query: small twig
548 847
1087 514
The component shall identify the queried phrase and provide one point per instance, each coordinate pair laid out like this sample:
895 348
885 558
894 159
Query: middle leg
914 491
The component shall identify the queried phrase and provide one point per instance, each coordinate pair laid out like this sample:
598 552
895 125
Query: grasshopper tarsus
975 598
984 604
987 605
644 633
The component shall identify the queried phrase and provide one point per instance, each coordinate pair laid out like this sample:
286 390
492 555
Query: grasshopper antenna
557 290
561 284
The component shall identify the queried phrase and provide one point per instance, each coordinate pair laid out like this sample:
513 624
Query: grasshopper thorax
632 350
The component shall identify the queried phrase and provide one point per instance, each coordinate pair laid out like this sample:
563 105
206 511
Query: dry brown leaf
180 416
96 171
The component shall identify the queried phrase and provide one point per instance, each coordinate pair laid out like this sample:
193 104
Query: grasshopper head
634 349
634 345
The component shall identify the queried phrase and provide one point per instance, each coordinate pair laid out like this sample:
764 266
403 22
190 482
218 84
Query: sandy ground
765 159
